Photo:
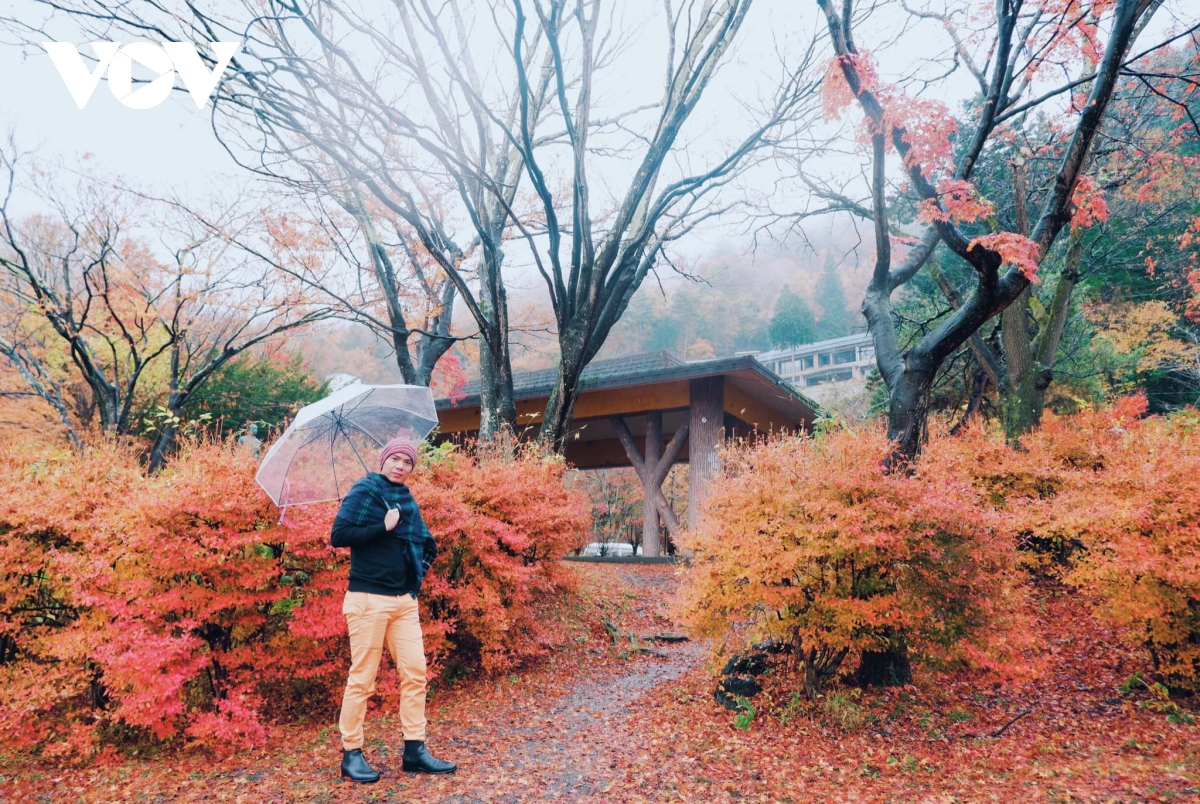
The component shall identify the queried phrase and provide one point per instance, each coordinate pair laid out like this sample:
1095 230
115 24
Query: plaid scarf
369 501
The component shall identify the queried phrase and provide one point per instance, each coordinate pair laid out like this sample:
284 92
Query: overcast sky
172 145
173 142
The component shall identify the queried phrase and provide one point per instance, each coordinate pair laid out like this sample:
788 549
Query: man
390 551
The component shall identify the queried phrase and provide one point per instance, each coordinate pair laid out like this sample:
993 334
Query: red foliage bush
813 541
178 607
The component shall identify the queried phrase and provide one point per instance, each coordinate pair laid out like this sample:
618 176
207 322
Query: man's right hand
391 518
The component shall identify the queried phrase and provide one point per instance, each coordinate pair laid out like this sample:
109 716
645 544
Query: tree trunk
175 399
497 408
885 668
1023 401
560 407
908 411
164 442
978 388
1029 363
908 414
819 667
108 407
430 348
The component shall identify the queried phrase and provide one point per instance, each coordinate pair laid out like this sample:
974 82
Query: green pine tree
835 316
255 388
793 323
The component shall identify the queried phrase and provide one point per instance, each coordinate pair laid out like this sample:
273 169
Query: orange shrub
1108 501
1138 516
1019 487
812 541
178 606
1036 489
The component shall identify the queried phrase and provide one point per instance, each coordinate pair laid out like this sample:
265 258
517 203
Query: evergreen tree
793 323
835 317
266 389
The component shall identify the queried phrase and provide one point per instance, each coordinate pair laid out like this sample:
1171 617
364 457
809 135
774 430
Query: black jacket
383 562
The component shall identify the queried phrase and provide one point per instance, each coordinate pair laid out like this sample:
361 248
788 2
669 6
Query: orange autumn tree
1127 216
100 324
814 542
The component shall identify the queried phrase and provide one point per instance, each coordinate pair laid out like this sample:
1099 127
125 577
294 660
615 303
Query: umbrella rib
358 402
337 489
354 449
287 469
362 430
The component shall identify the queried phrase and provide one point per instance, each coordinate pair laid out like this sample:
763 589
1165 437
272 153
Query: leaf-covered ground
617 718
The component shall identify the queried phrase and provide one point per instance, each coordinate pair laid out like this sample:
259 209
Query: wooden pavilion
650 411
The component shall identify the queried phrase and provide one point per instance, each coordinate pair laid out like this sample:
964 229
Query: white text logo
165 59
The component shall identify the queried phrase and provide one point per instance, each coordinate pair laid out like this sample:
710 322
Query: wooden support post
650 531
657 474
707 424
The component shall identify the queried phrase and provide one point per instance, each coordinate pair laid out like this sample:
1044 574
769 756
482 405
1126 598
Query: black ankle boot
417 759
356 769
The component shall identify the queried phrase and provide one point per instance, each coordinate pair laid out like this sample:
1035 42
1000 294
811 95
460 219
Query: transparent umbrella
333 442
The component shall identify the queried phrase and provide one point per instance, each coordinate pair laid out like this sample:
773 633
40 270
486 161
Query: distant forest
735 311
730 304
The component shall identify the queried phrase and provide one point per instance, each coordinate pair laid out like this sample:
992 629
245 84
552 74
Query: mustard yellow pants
373 621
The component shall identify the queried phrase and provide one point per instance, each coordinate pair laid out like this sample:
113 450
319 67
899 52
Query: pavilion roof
644 369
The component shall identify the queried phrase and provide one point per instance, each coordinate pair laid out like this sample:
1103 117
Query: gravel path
554 744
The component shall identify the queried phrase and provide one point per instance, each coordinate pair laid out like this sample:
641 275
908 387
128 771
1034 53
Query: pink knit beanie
400 445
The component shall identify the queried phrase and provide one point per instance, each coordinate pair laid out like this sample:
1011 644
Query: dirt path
553 744
562 746
541 735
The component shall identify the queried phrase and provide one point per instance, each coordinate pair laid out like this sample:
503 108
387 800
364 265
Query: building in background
832 372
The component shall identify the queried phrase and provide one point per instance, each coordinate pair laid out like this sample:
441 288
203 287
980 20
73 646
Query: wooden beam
605 454
458 420
670 395
672 453
631 448
531 411
638 399
639 466
742 406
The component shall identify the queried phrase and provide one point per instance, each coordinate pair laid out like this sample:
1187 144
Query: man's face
397 468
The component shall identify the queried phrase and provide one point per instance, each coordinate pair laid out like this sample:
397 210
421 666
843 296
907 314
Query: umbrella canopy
333 442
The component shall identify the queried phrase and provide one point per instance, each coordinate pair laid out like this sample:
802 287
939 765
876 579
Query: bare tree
487 165
419 302
94 296
389 284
